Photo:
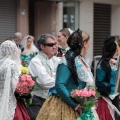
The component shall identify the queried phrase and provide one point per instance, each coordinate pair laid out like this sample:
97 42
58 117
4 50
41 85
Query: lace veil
9 72
33 48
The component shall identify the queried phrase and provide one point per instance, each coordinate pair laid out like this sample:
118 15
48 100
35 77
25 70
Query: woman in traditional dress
30 49
106 73
10 64
72 72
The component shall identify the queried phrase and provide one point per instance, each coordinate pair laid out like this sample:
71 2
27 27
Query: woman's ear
84 44
66 37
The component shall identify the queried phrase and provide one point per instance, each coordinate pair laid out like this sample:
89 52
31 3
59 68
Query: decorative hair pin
80 44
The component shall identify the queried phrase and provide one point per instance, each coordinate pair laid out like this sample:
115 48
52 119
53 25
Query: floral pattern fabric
56 109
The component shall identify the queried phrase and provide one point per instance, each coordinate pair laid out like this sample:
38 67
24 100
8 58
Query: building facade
99 18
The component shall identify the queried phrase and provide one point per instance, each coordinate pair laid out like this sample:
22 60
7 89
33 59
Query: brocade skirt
54 108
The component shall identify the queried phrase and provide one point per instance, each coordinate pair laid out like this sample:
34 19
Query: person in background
43 66
30 50
72 72
62 36
106 72
10 64
17 39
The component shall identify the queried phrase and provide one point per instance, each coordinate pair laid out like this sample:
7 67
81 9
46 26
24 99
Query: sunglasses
50 44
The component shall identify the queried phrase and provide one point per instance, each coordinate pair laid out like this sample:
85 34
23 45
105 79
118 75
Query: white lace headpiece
32 49
9 72
71 31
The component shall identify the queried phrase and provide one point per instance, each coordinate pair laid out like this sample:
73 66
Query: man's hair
17 34
42 39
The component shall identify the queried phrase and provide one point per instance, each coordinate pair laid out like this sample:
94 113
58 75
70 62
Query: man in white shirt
44 66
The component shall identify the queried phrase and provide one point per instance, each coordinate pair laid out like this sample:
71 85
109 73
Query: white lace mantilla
9 72
33 49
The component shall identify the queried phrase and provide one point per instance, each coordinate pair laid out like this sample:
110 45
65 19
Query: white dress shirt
45 71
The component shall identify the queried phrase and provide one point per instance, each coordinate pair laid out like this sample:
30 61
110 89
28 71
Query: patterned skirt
54 108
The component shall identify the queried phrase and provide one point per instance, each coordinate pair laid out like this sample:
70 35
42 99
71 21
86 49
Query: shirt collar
44 55
66 49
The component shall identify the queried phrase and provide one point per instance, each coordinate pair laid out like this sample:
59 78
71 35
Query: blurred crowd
60 66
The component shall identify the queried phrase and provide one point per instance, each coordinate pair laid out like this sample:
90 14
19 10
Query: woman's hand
113 61
79 108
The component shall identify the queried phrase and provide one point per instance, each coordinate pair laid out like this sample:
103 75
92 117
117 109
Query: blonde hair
85 36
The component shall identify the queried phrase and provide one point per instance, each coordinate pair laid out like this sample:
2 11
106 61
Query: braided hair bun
75 41
109 47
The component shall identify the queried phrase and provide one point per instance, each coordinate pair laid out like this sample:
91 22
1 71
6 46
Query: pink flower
28 77
79 92
84 93
23 77
93 93
32 83
25 84
85 97
89 94
75 93
24 90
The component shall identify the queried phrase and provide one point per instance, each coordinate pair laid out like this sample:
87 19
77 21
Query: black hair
75 43
109 47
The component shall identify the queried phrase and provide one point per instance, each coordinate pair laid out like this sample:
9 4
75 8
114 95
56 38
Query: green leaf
30 101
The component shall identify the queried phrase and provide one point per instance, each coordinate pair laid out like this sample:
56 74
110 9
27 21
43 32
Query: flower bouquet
25 85
85 97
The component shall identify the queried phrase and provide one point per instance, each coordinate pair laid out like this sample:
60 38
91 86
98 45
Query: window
102 25
70 15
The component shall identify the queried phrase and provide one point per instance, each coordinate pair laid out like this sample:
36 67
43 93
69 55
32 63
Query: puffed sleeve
62 78
102 82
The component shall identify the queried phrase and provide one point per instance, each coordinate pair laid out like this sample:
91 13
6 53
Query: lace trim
63 60
111 107
93 109
83 75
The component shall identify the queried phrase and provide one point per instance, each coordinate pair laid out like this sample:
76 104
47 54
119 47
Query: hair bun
109 44
75 40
